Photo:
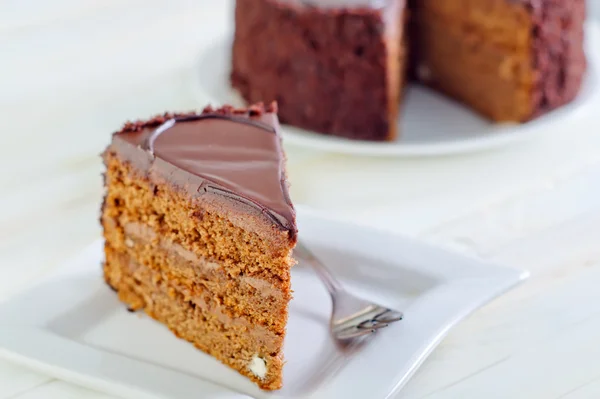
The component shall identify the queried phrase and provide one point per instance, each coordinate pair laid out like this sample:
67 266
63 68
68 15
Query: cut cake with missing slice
199 232
340 67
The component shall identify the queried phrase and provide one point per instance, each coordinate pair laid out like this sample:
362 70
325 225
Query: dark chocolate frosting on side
558 54
232 153
375 4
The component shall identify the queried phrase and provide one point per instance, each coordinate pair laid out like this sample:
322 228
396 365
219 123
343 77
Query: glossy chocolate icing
340 3
234 156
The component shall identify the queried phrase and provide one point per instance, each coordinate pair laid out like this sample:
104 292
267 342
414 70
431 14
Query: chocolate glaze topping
340 3
558 54
231 153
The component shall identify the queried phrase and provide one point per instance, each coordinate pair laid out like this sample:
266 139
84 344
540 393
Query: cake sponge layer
491 67
255 299
201 321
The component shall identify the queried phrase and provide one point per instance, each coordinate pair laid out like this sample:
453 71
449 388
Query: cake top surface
340 3
236 152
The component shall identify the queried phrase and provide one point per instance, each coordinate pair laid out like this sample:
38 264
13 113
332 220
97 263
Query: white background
71 71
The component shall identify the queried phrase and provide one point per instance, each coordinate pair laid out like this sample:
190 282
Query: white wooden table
71 71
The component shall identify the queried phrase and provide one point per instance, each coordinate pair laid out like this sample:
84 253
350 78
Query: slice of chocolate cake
199 232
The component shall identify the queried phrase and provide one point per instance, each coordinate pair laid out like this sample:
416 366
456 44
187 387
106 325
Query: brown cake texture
510 60
338 66
199 232
331 68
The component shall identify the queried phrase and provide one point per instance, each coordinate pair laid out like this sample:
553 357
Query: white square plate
72 326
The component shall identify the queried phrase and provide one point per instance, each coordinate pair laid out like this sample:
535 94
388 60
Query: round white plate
431 124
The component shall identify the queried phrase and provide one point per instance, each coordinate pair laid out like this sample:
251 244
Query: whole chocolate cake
338 66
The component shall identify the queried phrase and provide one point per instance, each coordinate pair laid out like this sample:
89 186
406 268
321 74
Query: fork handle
332 284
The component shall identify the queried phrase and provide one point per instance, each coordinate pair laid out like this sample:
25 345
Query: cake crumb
258 366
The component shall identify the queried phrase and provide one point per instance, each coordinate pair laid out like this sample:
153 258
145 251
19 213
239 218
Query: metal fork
351 317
